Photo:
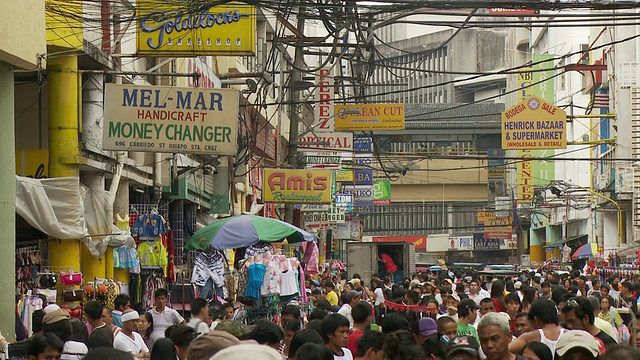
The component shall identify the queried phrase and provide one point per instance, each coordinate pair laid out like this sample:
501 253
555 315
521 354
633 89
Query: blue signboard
344 201
363 177
363 145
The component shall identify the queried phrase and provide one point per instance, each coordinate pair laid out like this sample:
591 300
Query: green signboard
381 192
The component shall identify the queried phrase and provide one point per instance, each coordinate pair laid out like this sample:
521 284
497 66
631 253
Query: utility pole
294 105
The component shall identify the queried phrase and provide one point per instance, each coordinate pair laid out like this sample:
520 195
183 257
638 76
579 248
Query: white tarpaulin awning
65 209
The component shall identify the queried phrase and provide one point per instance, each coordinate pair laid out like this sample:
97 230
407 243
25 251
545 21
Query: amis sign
189 28
297 186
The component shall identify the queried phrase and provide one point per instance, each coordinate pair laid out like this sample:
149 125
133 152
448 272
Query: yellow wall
446 171
22 32
434 192
64 25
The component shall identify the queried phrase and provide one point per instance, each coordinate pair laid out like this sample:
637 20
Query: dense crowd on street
435 316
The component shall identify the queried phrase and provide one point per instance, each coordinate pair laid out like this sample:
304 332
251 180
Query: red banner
420 242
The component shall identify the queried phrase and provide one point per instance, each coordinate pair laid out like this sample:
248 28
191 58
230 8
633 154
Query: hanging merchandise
311 257
271 281
152 280
288 278
257 250
208 274
122 222
152 253
27 305
255 273
70 278
28 264
148 226
125 257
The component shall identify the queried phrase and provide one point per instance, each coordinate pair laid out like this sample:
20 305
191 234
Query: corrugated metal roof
479 115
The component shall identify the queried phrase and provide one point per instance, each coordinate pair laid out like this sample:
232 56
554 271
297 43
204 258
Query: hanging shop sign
420 242
326 142
312 207
175 29
344 201
460 243
512 11
344 175
363 177
495 227
534 124
146 118
297 186
363 145
336 215
324 100
381 192
170 119
370 117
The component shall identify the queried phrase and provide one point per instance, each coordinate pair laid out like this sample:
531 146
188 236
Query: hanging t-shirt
148 227
152 254
271 282
122 222
288 282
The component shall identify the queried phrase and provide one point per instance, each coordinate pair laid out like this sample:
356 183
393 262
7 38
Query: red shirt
388 263
352 342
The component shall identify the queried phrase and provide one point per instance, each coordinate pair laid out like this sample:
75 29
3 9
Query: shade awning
566 241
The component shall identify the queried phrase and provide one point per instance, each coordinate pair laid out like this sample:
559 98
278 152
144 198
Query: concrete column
63 143
92 111
7 202
92 266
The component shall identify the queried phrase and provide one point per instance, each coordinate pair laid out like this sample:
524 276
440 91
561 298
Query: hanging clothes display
152 253
26 306
288 279
148 226
208 274
125 257
311 257
255 250
122 222
256 273
152 282
271 282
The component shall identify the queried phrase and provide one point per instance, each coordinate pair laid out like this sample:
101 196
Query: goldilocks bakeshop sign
170 119
188 28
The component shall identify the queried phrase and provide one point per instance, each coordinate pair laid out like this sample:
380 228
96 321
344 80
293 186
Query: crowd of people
435 316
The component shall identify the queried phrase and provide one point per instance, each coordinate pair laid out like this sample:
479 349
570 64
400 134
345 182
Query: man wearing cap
204 347
467 314
361 313
352 297
57 321
577 344
463 348
424 328
127 339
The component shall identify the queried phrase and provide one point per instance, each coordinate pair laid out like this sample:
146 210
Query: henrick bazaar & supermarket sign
534 124
170 119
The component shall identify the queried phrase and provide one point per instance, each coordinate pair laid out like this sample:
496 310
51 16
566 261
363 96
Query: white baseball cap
577 339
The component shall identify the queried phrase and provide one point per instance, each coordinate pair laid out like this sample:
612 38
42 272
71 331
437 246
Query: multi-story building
439 164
